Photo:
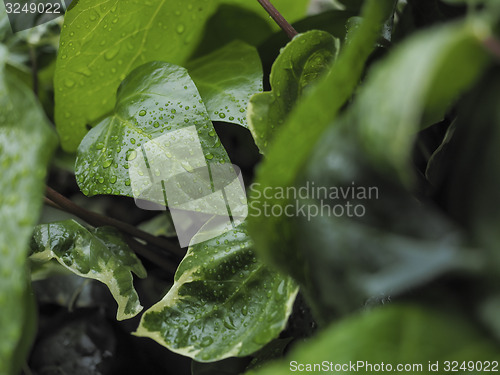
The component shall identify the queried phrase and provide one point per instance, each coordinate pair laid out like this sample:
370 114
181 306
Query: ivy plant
333 166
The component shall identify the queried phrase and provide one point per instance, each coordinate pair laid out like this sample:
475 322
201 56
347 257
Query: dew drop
180 28
142 113
111 54
69 83
206 341
132 155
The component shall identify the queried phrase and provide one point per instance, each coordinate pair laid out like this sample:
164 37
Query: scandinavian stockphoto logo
205 199
26 14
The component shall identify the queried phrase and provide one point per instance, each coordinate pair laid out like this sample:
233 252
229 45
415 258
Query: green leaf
26 146
322 104
100 254
307 122
224 302
274 350
351 4
103 41
299 64
226 79
420 80
471 181
157 104
353 236
333 22
29 331
392 335
231 23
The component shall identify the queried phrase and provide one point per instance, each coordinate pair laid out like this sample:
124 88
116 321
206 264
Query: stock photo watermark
27 14
310 200
207 199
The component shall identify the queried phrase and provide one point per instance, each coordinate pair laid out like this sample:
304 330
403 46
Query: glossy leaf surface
26 146
388 124
103 41
224 302
226 79
99 254
300 63
292 145
158 109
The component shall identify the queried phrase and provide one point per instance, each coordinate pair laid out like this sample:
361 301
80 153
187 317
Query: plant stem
34 69
99 220
278 18
493 46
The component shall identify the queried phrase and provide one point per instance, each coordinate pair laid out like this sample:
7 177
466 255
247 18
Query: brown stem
34 70
97 220
493 46
278 18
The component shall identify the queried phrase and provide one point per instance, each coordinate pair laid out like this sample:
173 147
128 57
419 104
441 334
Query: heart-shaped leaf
103 41
224 302
159 120
226 79
299 64
99 254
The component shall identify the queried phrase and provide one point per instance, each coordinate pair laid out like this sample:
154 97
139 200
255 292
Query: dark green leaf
103 41
274 350
26 145
352 4
231 23
392 335
472 181
226 79
29 331
333 22
353 235
100 254
420 80
296 139
224 302
158 112
300 63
